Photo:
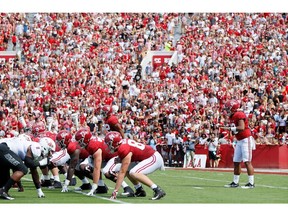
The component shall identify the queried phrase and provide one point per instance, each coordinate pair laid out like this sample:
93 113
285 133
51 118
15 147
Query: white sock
85 181
46 177
251 179
236 179
153 186
101 182
137 186
124 184
56 178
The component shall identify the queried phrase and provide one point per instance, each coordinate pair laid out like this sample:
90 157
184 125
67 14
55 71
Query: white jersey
20 146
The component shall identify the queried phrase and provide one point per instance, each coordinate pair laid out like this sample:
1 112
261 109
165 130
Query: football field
181 186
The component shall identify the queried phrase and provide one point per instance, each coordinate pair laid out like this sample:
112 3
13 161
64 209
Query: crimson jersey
73 146
97 143
110 123
139 151
234 119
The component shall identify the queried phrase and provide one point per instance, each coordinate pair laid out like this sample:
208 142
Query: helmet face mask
105 111
232 106
37 129
112 139
48 146
63 138
83 137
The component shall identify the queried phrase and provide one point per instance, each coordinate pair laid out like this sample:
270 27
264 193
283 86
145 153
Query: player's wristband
234 129
67 182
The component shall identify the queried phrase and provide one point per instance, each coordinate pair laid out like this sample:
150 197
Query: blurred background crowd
71 64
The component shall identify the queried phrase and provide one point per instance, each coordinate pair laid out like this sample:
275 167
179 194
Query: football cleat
248 186
57 184
73 182
128 192
102 189
158 193
20 189
46 183
86 186
140 192
5 195
232 185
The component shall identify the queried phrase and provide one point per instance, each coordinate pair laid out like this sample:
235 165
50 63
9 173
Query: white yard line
80 192
216 180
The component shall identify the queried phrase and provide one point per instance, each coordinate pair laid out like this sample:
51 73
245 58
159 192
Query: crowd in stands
77 62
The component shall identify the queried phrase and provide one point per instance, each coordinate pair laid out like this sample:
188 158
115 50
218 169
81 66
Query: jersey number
136 144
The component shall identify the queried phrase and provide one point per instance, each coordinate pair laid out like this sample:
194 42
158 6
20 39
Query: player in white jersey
13 152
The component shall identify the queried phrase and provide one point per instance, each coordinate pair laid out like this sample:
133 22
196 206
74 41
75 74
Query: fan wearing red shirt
244 145
148 160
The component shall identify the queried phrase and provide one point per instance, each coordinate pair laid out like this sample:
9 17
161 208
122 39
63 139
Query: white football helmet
25 137
47 145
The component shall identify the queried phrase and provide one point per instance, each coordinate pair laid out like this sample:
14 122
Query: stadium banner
7 56
199 161
158 60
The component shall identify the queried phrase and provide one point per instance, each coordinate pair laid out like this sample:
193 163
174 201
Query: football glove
91 192
114 194
65 186
40 193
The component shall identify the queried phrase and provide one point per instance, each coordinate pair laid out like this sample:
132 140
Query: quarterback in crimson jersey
148 160
244 145
110 121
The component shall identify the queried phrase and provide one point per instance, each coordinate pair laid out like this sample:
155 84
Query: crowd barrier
264 156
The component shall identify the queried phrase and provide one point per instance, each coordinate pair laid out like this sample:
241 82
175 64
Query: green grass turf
181 187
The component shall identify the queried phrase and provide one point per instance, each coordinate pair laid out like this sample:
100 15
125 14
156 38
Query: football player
77 155
148 160
245 143
57 160
19 154
100 156
110 121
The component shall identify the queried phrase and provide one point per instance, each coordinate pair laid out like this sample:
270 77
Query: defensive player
58 158
245 143
148 160
13 152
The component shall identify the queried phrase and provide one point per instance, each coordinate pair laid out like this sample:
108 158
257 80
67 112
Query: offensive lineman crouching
13 152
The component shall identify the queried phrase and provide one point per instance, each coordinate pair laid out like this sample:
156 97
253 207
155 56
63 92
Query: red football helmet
106 110
37 129
83 136
63 138
232 106
112 139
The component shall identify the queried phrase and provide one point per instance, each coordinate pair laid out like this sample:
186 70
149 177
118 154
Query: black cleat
46 183
5 195
128 192
102 189
158 193
248 186
57 184
73 182
140 192
86 186
232 185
